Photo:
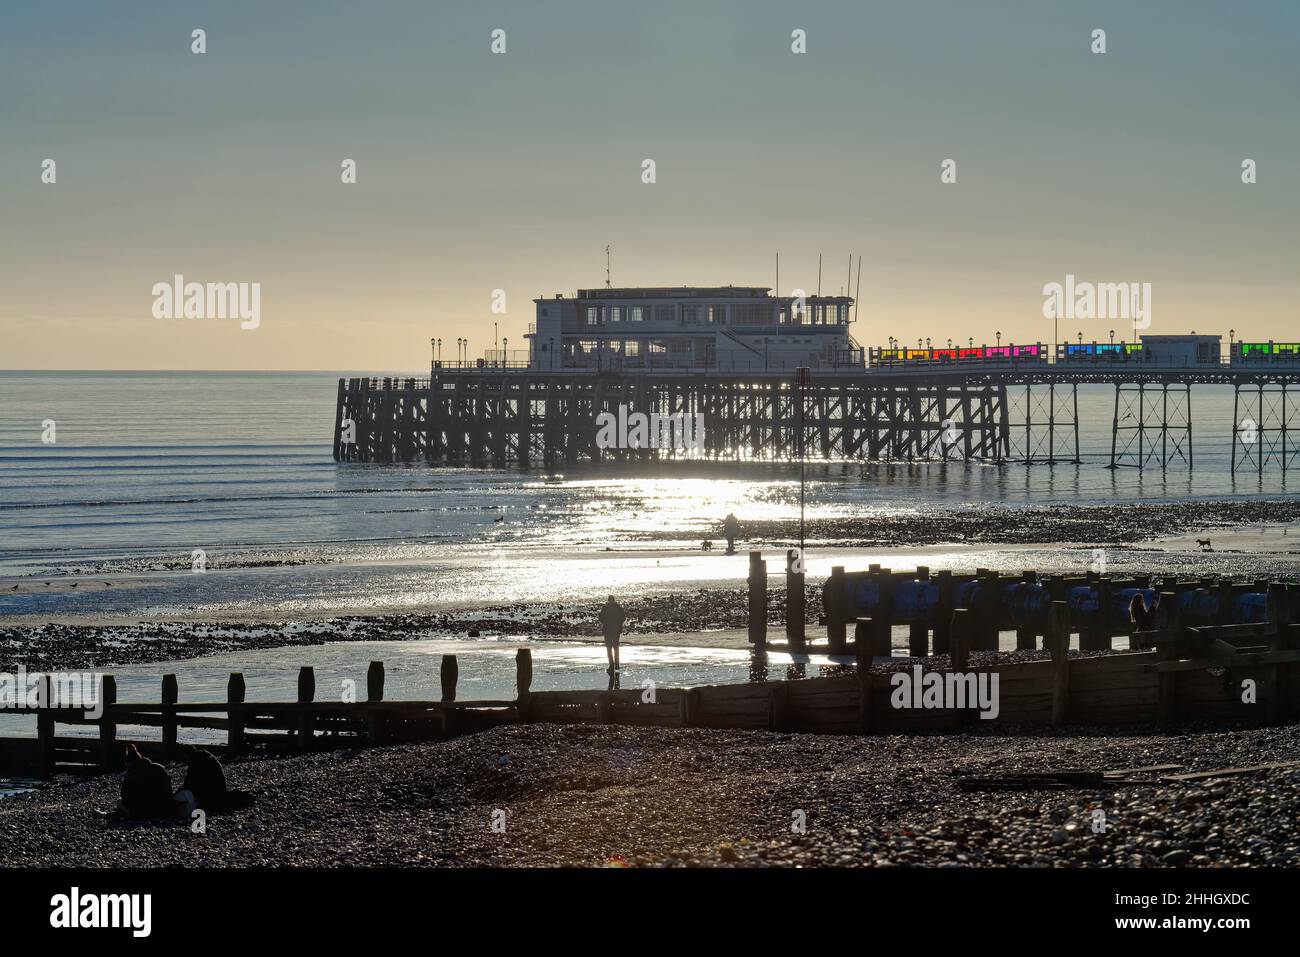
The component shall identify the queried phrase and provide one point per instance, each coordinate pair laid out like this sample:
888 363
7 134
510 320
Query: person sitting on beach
1143 618
731 528
612 617
146 789
205 779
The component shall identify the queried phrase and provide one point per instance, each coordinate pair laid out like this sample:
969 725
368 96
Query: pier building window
657 347
636 314
690 314
632 348
613 313
717 315
593 315
664 313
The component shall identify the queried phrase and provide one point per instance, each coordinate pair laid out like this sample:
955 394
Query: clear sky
478 171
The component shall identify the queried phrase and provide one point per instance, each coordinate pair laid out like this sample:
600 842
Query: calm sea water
148 467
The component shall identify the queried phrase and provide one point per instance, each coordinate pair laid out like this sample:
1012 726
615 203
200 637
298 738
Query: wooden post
1169 627
836 623
109 758
306 695
235 713
959 639
523 681
170 695
374 681
1057 640
943 613
794 600
1025 634
375 724
757 602
883 620
690 707
1277 678
862 639
45 725
1103 632
449 674
778 706
918 632
990 618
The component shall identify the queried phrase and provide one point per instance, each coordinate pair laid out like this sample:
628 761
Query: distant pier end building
692 328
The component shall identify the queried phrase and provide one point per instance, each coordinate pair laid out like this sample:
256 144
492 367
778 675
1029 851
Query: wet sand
674 596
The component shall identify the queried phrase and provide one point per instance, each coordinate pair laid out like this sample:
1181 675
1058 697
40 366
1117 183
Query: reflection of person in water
612 617
731 528
146 788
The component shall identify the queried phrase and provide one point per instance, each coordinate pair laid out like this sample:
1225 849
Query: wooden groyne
1181 669
299 725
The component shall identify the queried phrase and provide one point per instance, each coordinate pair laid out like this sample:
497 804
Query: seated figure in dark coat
146 788
206 780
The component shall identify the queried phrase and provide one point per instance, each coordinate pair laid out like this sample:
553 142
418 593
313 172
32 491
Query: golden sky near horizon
478 171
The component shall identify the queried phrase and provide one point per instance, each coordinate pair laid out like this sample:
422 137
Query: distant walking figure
612 617
146 789
731 528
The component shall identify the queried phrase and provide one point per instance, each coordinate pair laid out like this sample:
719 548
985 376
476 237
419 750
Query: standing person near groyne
612 617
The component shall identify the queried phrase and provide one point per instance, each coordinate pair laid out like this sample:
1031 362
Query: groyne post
918 632
1057 640
109 757
170 695
306 695
959 639
757 602
45 726
833 607
448 674
523 681
375 731
794 600
943 612
882 621
235 713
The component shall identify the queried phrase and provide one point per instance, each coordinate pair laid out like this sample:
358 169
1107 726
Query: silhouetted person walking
612 617
731 529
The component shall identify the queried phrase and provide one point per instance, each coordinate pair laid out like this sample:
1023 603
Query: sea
130 482
213 496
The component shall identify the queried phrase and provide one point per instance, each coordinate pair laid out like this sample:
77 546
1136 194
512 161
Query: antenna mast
606 266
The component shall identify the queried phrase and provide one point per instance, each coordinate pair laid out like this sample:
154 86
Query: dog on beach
1205 544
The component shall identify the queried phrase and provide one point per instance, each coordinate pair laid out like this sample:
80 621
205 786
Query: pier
1014 409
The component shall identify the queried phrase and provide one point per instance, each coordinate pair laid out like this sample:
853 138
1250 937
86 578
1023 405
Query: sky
478 171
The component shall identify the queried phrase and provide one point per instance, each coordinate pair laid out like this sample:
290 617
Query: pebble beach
595 796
